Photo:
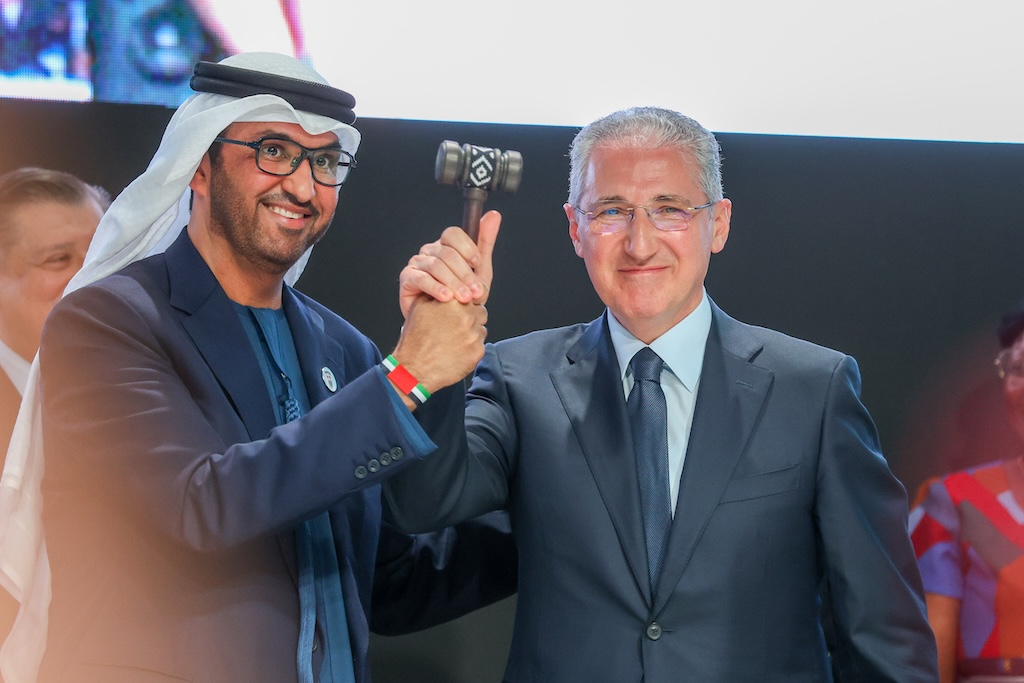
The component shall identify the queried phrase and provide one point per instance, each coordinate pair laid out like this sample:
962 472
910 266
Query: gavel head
485 168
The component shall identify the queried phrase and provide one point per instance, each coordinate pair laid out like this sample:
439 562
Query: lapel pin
329 380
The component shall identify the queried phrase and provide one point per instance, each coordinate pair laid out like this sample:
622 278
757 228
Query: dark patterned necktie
648 417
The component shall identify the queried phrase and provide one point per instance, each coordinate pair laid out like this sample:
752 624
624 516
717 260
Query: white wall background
916 69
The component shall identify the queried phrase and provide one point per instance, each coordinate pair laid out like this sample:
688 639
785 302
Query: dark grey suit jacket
171 495
783 491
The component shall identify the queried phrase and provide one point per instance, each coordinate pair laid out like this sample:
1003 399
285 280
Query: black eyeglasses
615 218
281 157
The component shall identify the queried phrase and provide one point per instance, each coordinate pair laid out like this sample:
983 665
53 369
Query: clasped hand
442 292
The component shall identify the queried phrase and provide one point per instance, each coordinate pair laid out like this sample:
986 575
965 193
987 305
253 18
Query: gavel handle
472 210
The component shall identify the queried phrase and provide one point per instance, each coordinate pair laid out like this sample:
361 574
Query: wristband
404 380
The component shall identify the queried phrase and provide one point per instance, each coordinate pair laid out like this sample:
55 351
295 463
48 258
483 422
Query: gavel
478 170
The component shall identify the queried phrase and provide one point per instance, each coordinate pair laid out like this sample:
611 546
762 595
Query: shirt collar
15 366
681 347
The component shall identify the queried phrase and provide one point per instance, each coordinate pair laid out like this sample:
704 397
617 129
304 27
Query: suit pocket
762 484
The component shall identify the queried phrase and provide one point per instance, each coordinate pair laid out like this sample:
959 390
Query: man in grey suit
692 523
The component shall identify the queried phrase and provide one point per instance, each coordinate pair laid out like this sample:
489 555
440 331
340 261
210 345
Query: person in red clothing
968 534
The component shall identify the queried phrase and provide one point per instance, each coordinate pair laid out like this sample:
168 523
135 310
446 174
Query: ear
720 228
200 182
574 229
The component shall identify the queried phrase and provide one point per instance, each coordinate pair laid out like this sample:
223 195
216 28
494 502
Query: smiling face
253 224
648 278
44 246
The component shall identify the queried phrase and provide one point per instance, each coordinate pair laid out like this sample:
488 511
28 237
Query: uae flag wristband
404 380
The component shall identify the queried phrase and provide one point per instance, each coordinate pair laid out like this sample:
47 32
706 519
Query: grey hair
28 184
648 128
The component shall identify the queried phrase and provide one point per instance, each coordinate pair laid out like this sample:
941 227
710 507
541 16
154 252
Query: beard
240 222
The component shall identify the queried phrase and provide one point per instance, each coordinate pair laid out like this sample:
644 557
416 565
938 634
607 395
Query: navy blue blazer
171 495
783 491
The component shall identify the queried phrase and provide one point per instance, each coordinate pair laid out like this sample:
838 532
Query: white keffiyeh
144 219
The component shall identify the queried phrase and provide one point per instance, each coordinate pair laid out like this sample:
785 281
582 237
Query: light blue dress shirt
682 349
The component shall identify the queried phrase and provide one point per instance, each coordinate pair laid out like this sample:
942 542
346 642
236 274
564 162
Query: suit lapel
590 389
211 322
311 345
307 330
321 356
731 394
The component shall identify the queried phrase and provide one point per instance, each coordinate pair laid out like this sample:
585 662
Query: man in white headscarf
214 440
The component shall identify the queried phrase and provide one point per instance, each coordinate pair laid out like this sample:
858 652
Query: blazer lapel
211 322
591 393
323 362
320 361
731 394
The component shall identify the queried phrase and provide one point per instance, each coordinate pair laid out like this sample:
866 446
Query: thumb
490 224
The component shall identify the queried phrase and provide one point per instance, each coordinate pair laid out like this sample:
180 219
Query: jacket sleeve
469 474
872 583
427 579
132 411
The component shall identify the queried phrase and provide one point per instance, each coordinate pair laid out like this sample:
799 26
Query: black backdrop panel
903 254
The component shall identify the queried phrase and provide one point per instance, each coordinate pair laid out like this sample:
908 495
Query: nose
300 183
642 236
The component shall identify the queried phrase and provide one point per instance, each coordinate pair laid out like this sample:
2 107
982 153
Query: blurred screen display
906 69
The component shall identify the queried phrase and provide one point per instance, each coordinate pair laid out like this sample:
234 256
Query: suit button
654 631
385 458
397 453
314 645
361 472
373 465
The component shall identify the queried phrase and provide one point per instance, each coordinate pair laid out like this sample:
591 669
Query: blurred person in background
968 534
47 219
